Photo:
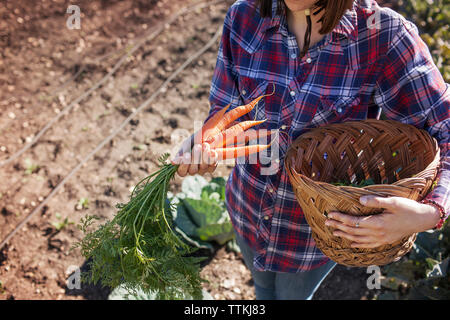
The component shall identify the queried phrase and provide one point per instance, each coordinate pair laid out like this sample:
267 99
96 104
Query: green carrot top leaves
138 248
362 183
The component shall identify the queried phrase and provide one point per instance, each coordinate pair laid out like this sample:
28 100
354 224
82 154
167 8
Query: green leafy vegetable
138 248
219 232
425 270
362 183
201 214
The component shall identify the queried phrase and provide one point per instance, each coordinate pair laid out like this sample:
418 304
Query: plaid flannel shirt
365 65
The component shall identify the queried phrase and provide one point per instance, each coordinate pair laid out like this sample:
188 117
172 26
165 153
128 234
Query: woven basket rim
348 192
433 164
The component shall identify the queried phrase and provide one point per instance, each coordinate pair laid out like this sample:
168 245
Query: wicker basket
401 159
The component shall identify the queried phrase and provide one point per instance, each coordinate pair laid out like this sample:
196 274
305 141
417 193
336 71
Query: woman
330 61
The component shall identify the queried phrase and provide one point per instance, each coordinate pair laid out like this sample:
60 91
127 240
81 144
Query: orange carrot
252 134
236 113
235 152
228 118
210 124
228 136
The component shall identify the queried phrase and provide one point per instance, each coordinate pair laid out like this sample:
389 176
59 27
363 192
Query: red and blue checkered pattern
351 74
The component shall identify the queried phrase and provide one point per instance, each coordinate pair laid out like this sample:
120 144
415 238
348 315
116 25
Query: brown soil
44 67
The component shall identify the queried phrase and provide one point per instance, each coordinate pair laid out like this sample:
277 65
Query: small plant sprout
30 167
59 225
83 203
140 147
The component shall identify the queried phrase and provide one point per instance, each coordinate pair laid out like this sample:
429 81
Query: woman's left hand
401 217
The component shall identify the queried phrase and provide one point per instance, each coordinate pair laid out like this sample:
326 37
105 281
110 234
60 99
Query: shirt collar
274 21
346 27
348 24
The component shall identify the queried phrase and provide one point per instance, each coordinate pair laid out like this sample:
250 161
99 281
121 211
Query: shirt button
293 55
244 92
339 109
266 218
270 190
292 93
309 60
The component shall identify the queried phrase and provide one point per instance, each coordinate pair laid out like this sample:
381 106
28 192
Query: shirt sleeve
412 90
224 89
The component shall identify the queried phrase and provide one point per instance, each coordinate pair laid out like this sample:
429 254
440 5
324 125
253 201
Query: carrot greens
138 248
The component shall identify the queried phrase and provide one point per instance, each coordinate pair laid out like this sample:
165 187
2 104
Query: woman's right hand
199 159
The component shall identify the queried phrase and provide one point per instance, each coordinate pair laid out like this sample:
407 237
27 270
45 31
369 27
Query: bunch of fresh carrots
228 140
138 248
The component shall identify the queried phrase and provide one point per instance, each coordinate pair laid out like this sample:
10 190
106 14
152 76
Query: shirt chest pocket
332 109
250 89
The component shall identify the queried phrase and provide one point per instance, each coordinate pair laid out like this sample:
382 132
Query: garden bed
44 67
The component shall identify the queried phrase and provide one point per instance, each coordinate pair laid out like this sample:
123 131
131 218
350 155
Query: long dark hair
334 10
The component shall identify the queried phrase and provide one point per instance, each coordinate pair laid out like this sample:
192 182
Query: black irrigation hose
151 35
113 134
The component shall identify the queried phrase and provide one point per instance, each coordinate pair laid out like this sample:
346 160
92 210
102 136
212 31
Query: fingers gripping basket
401 160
